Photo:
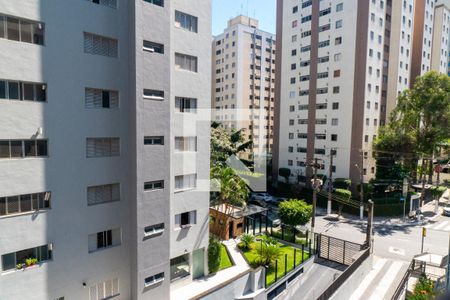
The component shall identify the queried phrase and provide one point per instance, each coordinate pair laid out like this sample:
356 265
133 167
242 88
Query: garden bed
225 261
252 257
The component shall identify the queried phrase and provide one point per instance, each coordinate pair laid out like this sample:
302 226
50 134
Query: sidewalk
205 284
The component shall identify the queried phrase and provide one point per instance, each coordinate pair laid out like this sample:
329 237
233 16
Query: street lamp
361 193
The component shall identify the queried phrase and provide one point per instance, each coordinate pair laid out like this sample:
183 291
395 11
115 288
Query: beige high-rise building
243 79
340 68
439 51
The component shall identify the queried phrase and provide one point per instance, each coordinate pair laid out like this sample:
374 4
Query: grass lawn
225 261
252 254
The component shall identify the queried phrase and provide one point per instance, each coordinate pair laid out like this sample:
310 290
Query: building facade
243 81
341 66
102 147
441 34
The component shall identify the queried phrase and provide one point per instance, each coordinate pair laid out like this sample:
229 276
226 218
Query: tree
294 212
344 194
268 252
419 123
246 241
225 143
285 172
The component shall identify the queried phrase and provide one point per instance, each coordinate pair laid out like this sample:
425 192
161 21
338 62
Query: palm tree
268 253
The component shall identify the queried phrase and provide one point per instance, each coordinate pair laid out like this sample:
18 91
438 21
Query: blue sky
263 10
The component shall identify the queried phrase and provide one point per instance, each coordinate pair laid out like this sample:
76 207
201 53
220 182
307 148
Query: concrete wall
67 70
352 283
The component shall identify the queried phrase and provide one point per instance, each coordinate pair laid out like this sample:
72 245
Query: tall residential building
243 81
441 35
422 38
101 147
340 68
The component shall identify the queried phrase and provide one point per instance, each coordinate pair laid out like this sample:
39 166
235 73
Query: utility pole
330 183
405 195
369 230
313 220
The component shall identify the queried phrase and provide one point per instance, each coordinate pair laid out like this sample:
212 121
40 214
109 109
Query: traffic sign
424 232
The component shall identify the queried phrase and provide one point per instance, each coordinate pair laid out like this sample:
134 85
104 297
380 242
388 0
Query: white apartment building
102 150
340 68
243 81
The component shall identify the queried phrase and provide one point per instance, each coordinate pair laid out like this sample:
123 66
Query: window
21 30
338 41
102 147
26 91
11 260
104 239
24 203
183 20
334 137
186 143
110 3
153 140
149 94
336 90
337 57
185 62
23 148
154 230
179 267
104 290
97 98
334 122
339 7
319 151
325 12
338 24
186 219
156 2
295 9
306 19
99 45
149 281
153 185
185 182
103 194
337 73
185 105
324 44
335 105
153 47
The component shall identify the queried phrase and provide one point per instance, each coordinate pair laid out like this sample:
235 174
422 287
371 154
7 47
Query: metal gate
338 250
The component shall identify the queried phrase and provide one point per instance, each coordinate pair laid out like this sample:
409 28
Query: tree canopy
418 125
294 212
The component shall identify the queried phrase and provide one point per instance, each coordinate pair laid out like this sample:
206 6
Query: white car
261 196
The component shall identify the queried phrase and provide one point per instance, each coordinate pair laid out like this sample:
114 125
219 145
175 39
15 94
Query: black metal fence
338 250
344 276
288 263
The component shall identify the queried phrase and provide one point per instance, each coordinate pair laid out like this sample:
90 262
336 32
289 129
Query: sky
263 10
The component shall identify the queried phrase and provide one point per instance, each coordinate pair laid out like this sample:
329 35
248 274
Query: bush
268 253
213 255
423 290
345 194
342 183
246 241
294 212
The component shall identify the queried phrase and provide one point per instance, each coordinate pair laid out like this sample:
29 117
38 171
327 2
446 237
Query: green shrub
268 253
345 194
246 241
31 261
213 255
294 212
342 183
423 290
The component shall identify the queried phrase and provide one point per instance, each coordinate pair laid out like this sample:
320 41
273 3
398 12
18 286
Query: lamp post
361 193
405 195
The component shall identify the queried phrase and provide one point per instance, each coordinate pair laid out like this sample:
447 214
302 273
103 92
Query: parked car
276 201
446 211
261 196
273 217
